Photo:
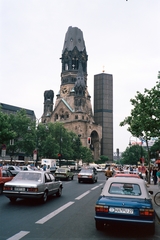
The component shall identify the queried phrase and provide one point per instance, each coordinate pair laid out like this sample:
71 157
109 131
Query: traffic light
59 155
89 140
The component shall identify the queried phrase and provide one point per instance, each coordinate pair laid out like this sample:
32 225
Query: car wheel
1 188
96 180
12 199
72 177
99 226
59 193
44 197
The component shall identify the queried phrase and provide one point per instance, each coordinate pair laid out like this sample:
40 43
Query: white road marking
82 195
97 186
54 213
19 235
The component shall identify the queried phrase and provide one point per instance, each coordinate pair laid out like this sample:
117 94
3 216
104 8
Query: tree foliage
132 155
23 135
144 121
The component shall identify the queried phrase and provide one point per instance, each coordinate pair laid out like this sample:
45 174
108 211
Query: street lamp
132 141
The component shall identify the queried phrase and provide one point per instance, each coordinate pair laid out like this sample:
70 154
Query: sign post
35 155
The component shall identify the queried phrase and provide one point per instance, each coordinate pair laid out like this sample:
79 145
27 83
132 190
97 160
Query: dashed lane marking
54 213
97 186
19 235
82 195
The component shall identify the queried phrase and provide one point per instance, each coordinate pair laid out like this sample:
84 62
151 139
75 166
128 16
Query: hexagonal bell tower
73 102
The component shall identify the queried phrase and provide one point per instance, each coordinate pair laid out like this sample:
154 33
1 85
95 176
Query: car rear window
61 170
125 189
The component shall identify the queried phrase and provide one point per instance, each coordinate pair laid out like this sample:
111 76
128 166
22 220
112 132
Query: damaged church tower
73 104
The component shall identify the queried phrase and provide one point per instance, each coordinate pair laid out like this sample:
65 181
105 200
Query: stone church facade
73 102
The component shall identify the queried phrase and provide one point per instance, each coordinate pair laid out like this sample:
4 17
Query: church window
83 117
71 40
76 117
66 66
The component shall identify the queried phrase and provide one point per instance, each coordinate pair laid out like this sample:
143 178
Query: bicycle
157 199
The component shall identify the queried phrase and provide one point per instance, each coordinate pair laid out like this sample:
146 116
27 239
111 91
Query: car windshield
125 189
28 176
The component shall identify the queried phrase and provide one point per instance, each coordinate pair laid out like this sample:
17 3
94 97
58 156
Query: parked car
13 169
127 201
33 185
5 176
26 168
64 173
87 175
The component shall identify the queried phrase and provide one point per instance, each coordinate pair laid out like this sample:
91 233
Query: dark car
5 176
32 185
125 201
87 175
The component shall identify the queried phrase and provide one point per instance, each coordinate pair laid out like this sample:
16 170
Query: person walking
108 173
158 176
154 172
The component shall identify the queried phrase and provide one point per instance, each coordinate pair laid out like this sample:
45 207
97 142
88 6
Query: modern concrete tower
73 103
103 110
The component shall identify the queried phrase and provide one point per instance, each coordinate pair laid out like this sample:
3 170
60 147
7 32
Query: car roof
127 175
139 181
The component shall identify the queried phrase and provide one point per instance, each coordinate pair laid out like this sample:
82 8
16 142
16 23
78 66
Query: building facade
103 110
73 102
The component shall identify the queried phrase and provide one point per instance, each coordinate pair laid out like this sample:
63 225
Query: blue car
127 201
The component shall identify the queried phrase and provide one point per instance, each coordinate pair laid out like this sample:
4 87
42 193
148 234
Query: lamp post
35 152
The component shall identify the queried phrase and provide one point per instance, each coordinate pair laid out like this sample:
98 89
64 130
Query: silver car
33 185
87 175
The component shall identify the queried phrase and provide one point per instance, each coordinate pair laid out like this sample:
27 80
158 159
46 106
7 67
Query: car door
49 184
55 183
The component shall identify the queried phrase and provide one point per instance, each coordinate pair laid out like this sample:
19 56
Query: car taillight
32 189
90 176
146 212
101 208
7 188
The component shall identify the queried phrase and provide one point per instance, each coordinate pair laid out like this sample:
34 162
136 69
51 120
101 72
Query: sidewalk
155 189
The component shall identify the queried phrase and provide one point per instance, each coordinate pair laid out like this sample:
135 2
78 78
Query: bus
67 163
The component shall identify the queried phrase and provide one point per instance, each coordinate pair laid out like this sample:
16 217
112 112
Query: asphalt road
69 217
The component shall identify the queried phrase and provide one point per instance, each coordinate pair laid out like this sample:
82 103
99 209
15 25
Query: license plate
19 189
121 210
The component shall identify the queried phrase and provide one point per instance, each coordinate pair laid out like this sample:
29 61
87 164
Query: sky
121 37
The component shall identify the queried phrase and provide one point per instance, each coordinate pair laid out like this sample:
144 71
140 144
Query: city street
69 217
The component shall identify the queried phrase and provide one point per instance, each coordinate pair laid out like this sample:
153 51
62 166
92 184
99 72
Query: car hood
126 202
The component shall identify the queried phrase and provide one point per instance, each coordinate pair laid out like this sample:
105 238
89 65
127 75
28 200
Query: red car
5 176
127 175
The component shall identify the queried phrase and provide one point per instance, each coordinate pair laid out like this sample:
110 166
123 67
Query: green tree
132 155
24 134
6 132
103 159
144 120
86 155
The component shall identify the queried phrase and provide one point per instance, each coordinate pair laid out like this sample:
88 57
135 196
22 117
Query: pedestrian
158 176
154 172
108 173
